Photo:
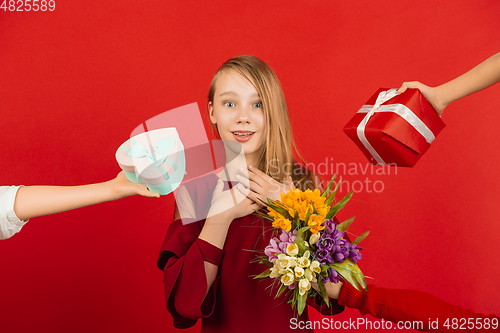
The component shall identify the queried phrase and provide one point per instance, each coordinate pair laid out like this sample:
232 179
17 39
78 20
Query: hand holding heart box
155 158
394 129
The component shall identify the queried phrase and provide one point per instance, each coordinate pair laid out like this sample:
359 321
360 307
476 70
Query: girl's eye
257 105
229 104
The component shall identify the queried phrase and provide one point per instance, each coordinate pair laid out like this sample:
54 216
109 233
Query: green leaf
294 297
281 290
314 211
351 273
270 218
338 206
324 268
344 225
324 294
283 212
302 299
264 274
266 262
264 202
300 234
329 200
296 220
308 215
360 237
300 241
329 187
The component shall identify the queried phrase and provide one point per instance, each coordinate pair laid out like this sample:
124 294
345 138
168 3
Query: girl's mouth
242 136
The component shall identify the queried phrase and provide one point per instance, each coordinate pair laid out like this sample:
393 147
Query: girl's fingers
219 187
289 183
249 183
250 194
243 180
255 206
258 176
243 190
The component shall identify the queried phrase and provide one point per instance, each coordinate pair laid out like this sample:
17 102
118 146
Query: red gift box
394 129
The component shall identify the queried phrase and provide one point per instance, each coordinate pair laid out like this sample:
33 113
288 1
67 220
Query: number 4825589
28 5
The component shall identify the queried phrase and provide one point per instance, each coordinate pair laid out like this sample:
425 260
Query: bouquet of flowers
311 247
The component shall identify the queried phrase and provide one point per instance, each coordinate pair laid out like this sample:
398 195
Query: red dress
236 302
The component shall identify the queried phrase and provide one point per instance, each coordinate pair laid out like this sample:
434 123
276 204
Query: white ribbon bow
402 110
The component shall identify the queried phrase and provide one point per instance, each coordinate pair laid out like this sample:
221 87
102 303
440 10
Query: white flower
292 249
310 275
303 262
275 270
286 261
314 238
304 286
315 267
306 254
299 272
287 279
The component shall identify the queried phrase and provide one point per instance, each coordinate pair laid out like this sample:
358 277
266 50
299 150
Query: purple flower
325 243
324 257
272 249
332 277
354 253
329 226
288 236
278 245
339 256
332 247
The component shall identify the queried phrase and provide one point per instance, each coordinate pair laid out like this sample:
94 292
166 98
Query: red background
76 81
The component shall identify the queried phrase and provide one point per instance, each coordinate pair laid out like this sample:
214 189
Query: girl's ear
211 113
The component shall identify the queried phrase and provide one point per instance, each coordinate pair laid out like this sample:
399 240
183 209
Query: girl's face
237 111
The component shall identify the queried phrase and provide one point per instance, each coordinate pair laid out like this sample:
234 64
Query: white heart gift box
155 158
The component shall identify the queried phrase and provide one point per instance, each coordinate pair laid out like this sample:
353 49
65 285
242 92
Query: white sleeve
10 224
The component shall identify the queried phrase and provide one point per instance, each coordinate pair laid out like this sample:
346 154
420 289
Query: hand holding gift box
155 158
395 129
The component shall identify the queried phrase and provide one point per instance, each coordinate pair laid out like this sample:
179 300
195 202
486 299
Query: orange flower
316 221
318 201
282 223
299 202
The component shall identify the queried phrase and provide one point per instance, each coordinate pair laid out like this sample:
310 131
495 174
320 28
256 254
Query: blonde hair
279 146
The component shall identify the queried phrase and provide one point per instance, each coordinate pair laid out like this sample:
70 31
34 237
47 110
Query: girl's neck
237 163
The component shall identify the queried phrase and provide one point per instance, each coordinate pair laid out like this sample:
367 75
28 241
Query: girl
207 252
20 203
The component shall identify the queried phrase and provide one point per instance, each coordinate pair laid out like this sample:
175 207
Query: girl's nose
244 115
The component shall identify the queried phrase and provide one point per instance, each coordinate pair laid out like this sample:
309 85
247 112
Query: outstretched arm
32 201
405 305
480 77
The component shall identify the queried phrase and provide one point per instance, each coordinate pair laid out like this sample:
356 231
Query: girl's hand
261 186
231 203
121 187
431 94
332 289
